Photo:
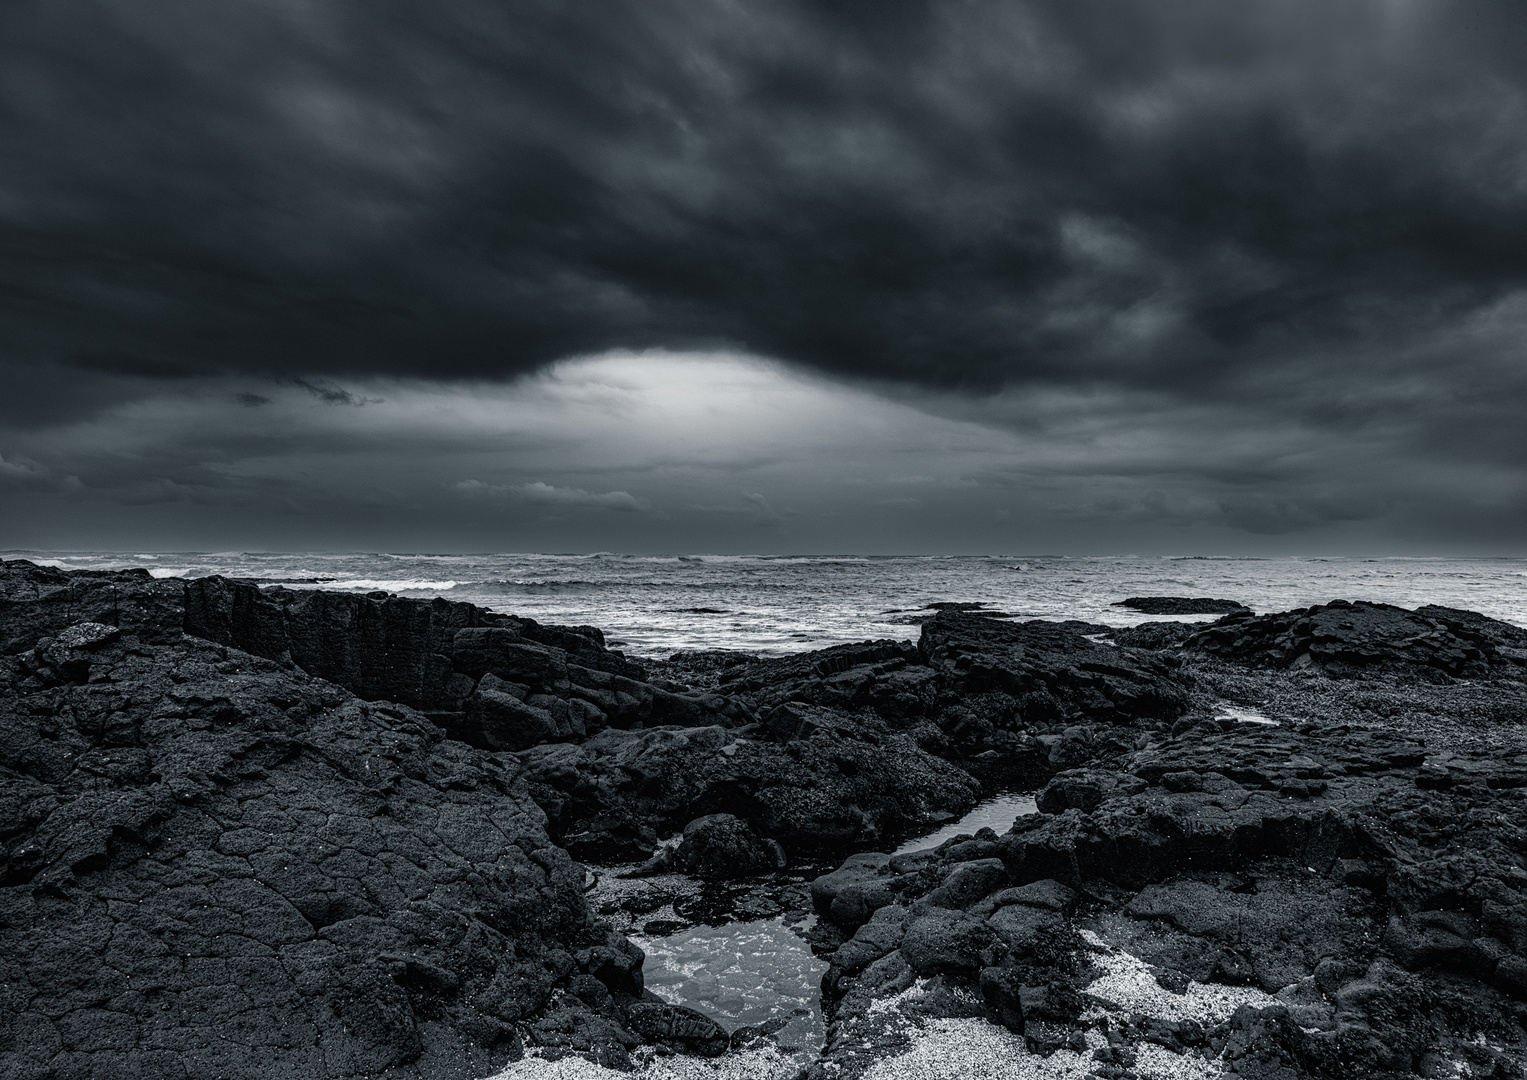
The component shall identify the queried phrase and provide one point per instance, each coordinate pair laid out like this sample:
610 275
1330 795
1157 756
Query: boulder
719 846
863 871
948 941
676 1024
498 717
967 883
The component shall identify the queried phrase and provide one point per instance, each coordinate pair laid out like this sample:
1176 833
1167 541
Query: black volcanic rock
1052 670
1181 605
1342 638
851 782
719 846
435 654
1154 635
1387 915
214 864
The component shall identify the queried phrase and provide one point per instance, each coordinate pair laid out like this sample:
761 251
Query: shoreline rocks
1345 639
215 864
1371 891
245 826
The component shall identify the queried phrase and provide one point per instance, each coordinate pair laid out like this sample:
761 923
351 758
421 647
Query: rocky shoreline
255 832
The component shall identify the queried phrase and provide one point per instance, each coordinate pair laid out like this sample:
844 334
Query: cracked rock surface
213 864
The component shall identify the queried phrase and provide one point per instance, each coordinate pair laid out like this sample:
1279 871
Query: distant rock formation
1181 605
1342 638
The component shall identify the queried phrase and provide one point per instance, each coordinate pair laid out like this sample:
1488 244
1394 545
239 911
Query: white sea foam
374 584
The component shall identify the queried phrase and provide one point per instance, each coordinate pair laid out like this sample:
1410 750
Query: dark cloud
325 392
962 192
1309 216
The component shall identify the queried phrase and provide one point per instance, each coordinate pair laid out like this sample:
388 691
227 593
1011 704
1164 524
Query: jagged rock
1212 868
799 793
212 863
1181 605
432 654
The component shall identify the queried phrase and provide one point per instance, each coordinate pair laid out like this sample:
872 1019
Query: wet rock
676 1024
720 846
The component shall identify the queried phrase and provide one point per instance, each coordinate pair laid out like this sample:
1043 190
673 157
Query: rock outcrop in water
1182 605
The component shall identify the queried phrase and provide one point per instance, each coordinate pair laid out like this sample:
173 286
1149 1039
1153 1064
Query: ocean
653 605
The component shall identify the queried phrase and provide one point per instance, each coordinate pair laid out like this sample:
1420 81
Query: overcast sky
760 276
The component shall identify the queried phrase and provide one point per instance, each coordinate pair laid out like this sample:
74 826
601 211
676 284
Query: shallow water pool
740 974
998 813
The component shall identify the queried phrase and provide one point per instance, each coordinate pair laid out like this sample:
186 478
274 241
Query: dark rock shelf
250 831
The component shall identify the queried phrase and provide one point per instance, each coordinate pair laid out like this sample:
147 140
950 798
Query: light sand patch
976 1050
1128 983
765 1063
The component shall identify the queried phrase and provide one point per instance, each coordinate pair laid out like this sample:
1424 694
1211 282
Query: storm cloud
1248 267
